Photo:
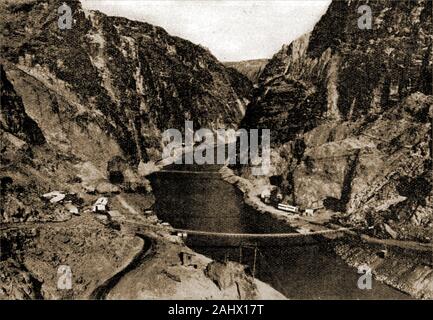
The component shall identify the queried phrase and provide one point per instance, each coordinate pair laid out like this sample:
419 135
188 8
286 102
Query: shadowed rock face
346 72
129 79
358 100
14 118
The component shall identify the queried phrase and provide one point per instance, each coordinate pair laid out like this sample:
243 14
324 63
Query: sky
233 30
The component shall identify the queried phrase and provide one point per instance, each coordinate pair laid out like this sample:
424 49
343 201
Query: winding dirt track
101 292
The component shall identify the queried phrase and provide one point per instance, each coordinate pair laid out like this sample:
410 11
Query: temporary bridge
260 235
233 239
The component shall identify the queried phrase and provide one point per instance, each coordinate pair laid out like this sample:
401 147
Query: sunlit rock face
125 80
252 69
348 112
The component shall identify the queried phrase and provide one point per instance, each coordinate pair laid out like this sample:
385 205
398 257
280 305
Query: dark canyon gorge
83 110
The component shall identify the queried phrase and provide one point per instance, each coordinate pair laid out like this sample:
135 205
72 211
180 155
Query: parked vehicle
288 208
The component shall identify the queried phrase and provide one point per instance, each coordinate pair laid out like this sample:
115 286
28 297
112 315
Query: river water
197 199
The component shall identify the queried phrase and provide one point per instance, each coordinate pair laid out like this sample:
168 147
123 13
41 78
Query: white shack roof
101 201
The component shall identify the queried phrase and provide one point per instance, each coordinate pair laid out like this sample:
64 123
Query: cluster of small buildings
67 200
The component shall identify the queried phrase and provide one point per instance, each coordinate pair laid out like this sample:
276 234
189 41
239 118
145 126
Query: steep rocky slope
341 72
350 116
14 118
129 79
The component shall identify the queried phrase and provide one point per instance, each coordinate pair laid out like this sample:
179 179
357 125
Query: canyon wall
130 79
350 116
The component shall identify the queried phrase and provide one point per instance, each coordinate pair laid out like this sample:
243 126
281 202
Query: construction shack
187 259
100 205
309 212
54 196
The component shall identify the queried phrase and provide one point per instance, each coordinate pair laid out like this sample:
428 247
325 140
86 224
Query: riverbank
405 266
174 271
107 259
251 194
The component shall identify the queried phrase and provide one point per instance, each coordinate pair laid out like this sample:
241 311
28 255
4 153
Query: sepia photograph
237 151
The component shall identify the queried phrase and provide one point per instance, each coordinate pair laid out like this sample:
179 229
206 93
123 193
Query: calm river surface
299 269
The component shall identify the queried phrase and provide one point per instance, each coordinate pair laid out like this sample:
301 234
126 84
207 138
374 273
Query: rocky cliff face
14 118
101 91
349 112
347 72
125 80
